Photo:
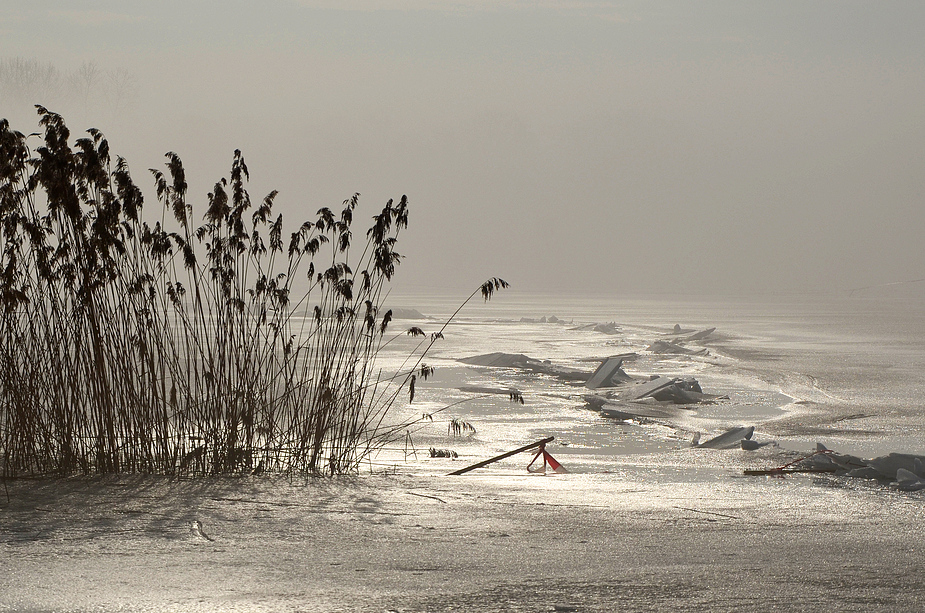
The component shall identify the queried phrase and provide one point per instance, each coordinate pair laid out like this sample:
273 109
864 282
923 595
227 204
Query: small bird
195 529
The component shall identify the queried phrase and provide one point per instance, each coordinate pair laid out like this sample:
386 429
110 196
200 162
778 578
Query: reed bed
169 347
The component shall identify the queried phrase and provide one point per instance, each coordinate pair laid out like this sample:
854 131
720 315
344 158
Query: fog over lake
700 226
600 147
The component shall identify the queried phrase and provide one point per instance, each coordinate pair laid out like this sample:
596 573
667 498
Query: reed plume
172 346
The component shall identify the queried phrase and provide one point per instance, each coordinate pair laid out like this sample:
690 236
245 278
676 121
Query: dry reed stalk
166 347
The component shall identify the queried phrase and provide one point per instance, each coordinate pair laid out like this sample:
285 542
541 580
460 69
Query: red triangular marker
555 466
547 460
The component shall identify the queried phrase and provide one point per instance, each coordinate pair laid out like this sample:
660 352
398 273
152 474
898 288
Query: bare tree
24 80
27 81
120 90
83 81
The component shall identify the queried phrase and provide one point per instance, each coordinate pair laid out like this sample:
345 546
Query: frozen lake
847 373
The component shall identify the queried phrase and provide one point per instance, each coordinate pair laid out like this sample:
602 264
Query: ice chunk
908 481
889 465
729 439
609 372
663 347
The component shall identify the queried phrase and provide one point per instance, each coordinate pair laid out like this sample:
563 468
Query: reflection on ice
648 403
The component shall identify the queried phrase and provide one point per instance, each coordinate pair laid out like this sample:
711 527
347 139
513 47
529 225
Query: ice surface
643 521
799 372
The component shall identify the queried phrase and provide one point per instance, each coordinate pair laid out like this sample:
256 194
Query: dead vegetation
163 344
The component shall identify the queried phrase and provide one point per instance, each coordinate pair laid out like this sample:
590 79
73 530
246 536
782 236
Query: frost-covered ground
645 538
643 521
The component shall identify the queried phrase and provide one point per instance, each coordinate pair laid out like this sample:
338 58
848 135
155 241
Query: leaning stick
462 471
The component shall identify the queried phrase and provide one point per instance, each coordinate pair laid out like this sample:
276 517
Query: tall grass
177 347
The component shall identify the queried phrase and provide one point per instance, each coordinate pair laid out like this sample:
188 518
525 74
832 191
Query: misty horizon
603 147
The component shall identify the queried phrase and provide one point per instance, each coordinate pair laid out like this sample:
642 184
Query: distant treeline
28 81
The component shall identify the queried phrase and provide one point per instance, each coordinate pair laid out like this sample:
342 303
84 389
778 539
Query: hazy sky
600 146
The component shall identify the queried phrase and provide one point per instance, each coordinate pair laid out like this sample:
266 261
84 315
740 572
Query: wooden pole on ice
463 471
